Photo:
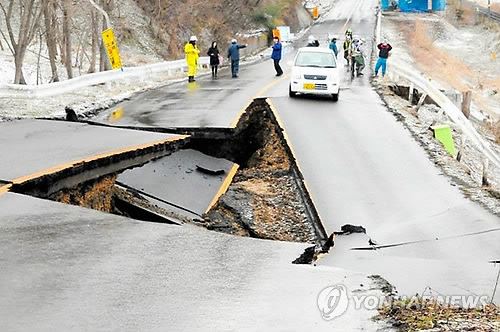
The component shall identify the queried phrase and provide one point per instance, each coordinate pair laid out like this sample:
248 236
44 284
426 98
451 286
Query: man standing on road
233 53
192 54
358 55
276 56
383 54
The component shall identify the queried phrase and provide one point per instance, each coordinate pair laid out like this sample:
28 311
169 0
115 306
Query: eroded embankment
266 198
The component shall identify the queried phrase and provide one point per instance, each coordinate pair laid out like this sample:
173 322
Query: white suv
315 71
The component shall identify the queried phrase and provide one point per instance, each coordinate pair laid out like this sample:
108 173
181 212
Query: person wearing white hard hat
358 54
312 42
233 53
192 55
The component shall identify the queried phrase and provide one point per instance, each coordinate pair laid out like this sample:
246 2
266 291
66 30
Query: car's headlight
297 76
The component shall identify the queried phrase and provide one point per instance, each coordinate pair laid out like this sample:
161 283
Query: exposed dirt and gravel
95 194
264 199
432 316
434 313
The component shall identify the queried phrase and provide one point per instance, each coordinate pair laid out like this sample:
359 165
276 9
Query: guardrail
396 71
489 13
57 88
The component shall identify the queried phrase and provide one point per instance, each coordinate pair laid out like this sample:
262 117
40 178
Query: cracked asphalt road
361 167
66 268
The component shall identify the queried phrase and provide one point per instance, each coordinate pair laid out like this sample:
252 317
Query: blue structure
413 5
438 5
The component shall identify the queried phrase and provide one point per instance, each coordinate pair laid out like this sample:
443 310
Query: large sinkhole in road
242 181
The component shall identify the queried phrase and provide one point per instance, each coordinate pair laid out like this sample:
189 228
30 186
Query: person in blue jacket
333 45
276 56
233 53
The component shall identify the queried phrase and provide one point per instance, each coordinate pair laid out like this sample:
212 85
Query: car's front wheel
291 93
335 96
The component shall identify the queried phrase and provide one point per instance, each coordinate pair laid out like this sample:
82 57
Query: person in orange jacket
192 55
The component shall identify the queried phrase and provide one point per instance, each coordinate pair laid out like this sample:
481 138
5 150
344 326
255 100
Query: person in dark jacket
213 53
233 53
383 54
333 45
276 56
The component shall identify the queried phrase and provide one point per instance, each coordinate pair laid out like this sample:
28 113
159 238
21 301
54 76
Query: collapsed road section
268 198
242 181
44 156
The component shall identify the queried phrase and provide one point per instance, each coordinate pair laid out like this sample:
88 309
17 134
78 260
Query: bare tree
30 12
67 12
49 13
6 42
103 59
95 39
38 71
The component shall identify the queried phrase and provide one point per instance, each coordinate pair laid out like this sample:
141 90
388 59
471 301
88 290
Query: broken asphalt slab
65 267
33 148
178 179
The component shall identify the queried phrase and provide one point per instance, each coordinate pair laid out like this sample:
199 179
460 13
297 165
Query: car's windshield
315 59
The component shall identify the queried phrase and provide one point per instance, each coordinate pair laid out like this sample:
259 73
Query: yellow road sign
315 13
109 40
